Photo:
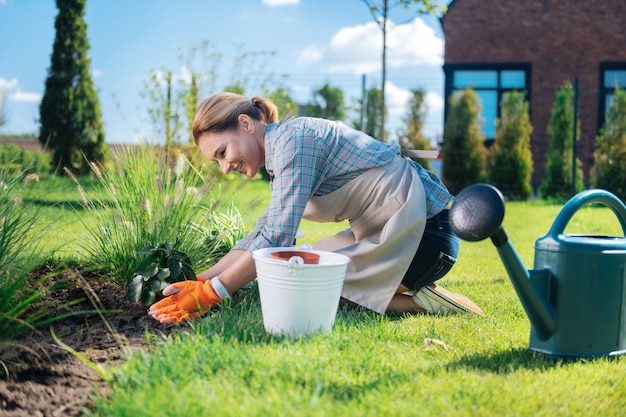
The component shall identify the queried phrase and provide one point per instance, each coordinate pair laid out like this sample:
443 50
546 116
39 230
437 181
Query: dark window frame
450 68
603 90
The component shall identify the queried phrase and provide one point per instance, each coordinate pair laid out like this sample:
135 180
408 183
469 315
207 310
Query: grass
226 364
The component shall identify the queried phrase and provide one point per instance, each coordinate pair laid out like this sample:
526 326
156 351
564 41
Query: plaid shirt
308 157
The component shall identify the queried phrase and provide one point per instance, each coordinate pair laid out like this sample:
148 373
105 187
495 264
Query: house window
612 75
490 82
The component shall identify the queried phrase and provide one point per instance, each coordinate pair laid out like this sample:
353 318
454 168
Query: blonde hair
219 113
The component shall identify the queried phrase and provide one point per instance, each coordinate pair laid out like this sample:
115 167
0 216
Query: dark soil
40 378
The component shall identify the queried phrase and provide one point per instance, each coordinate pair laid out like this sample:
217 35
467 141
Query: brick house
536 45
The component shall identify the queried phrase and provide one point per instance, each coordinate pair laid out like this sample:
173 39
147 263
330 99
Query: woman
323 170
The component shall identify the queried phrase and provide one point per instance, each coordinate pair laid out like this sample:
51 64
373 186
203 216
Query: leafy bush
144 200
14 159
162 265
609 169
511 160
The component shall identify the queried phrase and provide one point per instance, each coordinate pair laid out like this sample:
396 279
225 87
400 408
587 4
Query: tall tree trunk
384 74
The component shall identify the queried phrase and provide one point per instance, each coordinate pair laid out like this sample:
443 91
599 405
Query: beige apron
386 208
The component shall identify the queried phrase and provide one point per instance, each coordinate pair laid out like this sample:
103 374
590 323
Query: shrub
609 169
558 183
14 160
511 160
464 153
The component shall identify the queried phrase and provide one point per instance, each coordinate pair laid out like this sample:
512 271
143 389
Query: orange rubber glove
185 300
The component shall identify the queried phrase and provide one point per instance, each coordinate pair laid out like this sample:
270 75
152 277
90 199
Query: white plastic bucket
299 299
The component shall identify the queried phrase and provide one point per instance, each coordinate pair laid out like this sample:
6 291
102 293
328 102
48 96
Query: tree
164 100
464 153
328 103
191 97
511 159
283 102
372 114
415 118
69 112
380 14
609 169
558 183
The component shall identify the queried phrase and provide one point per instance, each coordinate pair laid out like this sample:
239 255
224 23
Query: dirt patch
40 378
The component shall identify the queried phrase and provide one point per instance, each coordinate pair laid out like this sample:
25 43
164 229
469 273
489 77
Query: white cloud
24 96
14 93
277 3
414 44
97 73
311 53
396 98
357 49
434 102
8 84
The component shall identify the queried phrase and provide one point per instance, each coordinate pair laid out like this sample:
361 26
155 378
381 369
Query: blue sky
316 41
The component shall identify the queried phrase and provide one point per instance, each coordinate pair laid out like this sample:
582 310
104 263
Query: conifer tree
464 153
511 160
609 170
558 183
70 116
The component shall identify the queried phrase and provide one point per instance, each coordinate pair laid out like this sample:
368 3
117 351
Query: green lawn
369 365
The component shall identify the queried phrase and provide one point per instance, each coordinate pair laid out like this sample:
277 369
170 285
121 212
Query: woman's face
241 149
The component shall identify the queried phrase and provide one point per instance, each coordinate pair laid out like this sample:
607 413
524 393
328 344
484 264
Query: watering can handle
585 197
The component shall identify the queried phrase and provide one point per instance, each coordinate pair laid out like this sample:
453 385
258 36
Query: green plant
220 229
14 159
161 266
391 369
464 153
609 168
20 296
70 115
558 183
511 160
412 137
144 199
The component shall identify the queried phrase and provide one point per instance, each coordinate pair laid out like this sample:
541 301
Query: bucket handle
295 261
598 196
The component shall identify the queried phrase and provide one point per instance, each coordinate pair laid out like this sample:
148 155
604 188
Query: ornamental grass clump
145 199
20 297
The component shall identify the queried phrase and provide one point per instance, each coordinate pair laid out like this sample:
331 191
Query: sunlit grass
373 365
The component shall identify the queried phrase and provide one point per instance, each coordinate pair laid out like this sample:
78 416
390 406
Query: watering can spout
477 214
539 311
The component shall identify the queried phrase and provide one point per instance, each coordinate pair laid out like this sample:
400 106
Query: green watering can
575 297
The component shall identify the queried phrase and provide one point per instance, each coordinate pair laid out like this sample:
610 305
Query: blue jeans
436 254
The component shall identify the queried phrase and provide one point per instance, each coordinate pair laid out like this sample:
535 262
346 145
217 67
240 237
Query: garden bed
41 378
